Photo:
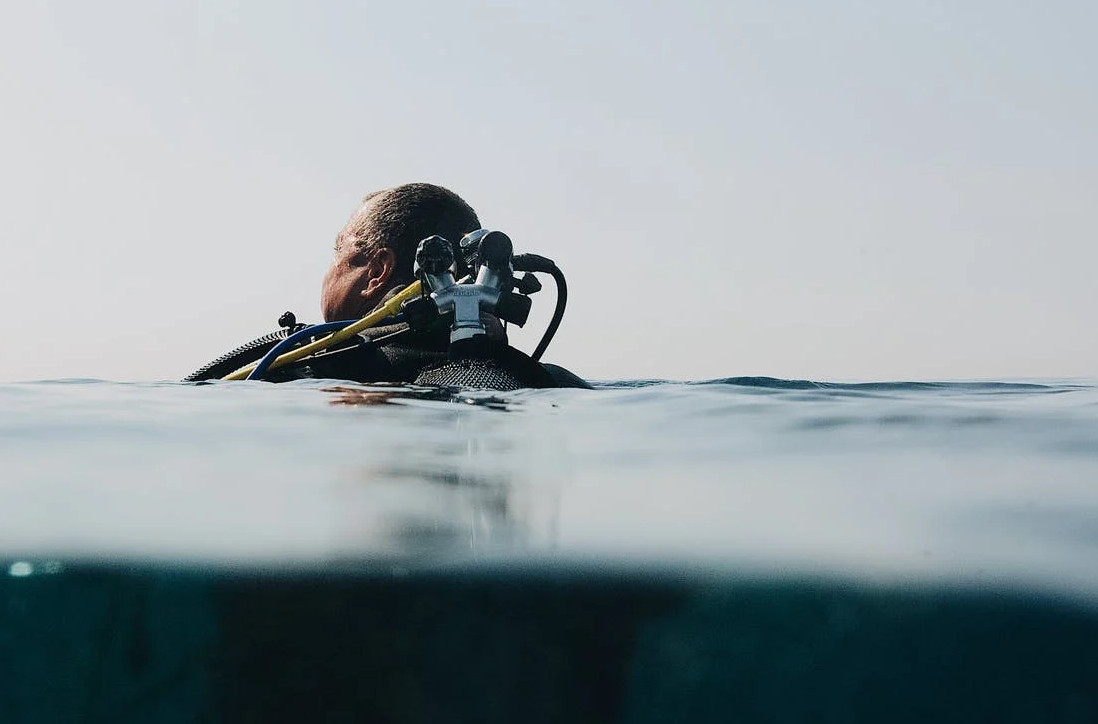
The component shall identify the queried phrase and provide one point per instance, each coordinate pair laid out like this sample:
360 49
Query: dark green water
578 644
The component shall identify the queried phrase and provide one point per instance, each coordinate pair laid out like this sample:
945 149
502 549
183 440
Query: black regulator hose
558 313
535 263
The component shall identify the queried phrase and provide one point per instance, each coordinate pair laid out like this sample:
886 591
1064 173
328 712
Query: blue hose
291 341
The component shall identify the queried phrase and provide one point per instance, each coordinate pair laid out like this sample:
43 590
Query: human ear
380 269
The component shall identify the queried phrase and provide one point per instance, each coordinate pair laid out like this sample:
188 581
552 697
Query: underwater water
748 548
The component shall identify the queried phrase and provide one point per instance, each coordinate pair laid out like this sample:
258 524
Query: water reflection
466 482
383 394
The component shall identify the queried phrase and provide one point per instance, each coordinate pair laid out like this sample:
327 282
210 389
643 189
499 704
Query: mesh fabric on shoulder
483 374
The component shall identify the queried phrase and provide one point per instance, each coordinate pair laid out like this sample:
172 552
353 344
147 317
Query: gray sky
852 190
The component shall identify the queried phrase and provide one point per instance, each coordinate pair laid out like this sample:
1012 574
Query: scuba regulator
489 255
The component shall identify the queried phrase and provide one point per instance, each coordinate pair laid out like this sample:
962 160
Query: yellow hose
388 309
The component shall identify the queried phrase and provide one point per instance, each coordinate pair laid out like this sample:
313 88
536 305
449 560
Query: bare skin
356 282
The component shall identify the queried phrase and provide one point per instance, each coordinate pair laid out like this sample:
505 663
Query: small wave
66 381
984 387
631 384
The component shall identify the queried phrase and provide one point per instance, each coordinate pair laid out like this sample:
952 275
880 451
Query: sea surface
749 548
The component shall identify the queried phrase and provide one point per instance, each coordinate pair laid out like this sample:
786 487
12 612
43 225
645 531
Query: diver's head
376 250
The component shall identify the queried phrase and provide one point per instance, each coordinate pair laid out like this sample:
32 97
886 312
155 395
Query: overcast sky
844 190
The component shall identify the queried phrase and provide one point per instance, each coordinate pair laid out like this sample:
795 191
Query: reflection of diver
478 485
413 305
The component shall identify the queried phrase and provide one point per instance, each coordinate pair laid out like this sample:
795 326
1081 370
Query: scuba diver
417 292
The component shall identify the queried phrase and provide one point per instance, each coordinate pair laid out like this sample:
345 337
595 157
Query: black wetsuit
396 353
